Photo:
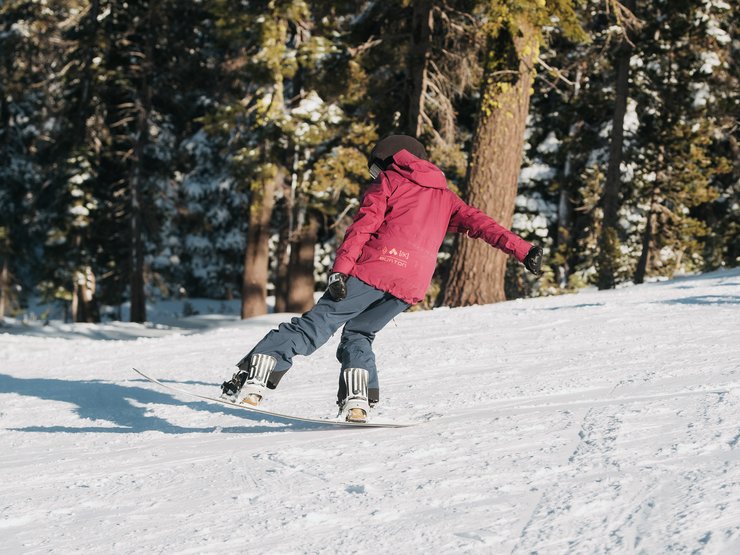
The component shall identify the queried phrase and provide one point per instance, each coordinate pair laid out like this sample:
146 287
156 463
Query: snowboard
288 417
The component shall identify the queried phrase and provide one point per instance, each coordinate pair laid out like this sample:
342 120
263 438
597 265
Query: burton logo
394 256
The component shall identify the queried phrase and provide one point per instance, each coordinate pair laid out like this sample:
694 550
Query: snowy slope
590 423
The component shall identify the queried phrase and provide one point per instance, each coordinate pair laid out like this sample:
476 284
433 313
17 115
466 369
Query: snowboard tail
254 409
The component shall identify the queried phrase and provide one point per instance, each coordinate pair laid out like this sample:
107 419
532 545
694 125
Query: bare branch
341 216
555 72
367 45
626 19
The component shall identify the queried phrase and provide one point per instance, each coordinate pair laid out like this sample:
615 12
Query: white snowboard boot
355 406
250 383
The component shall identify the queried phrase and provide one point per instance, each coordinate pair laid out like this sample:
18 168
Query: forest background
217 148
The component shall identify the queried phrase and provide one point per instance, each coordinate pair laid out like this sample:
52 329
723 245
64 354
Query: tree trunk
608 258
136 279
566 206
74 305
257 255
477 270
283 248
647 238
84 303
302 250
143 109
4 286
136 270
565 225
565 214
282 259
86 78
422 21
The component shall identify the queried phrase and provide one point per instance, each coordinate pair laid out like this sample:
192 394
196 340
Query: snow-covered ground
603 422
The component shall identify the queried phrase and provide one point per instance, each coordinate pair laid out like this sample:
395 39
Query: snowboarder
383 266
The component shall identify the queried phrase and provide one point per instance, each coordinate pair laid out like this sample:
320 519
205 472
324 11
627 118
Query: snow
631 123
720 5
601 422
310 107
719 34
195 187
530 223
710 60
536 172
198 243
550 144
78 210
702 93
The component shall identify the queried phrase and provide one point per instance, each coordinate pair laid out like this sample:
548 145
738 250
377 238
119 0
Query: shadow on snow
569 307
100 400
705 300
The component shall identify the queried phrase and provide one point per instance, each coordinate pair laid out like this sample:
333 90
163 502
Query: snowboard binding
249 383
355 406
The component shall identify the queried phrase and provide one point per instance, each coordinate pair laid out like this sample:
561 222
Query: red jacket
405 213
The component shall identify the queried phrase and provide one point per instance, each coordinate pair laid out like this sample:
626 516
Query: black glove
337 286
533 261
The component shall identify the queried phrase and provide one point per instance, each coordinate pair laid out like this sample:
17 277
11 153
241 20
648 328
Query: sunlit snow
601 422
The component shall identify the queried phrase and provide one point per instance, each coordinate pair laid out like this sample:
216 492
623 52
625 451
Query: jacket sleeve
367 221
466 219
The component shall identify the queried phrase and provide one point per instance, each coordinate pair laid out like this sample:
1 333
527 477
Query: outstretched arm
466 219
367 221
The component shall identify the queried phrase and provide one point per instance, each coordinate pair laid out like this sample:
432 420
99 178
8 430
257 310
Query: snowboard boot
355 405
250 382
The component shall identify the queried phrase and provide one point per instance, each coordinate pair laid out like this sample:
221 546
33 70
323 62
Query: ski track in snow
602 422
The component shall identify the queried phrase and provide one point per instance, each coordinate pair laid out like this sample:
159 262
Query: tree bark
566 206
84 307
74 305
282 260
136 280
422 21
4 286
565 225
86 79
478 271
647 238
300 273
257 254
608 239
282 254
136 271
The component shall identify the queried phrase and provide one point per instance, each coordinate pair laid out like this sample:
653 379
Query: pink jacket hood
405 213
417 171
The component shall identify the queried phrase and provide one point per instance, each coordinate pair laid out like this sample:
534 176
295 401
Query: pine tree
27 55
677 171
609 254
134 137
75 166
514 34
291 122
716 23
196 230
152 93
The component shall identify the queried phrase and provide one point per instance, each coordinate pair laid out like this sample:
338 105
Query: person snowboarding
384 265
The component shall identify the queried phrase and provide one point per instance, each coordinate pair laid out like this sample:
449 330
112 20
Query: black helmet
382 155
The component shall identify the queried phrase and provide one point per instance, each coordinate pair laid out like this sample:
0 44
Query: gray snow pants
364 312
